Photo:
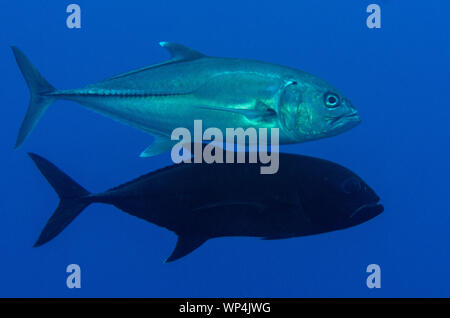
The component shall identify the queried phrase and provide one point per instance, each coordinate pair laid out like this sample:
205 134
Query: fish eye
351 185
332 100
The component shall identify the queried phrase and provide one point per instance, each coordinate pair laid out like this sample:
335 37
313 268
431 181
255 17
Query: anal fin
160 145
185 245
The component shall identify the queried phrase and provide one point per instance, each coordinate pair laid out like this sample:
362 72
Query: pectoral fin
185 245
160 145
260 112
230 205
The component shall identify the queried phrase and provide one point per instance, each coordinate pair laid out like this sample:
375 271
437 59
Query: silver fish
222 92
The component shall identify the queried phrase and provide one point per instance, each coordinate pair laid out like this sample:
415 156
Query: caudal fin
39 90
74 199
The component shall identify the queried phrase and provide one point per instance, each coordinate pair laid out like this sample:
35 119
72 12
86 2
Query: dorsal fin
180 52
147 175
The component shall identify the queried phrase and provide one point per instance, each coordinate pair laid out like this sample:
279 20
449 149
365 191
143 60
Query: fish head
358 202
313 109
336 198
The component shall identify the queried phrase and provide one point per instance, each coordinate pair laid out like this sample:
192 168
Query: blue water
397 77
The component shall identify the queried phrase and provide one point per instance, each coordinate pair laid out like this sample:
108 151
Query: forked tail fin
39 90
74 199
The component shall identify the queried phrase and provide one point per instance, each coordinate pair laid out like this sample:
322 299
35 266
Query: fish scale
112 92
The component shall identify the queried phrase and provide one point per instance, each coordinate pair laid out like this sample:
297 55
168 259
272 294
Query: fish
199 202
222 92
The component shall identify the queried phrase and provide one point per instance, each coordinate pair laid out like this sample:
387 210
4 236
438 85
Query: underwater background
397 77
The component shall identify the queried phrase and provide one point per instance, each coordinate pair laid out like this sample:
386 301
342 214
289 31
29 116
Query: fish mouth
365 213
345 121
368 206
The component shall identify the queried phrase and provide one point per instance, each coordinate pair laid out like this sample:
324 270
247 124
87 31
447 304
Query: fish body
222 92
199 202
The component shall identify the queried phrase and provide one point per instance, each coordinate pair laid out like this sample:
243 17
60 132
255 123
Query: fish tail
40 98
73 199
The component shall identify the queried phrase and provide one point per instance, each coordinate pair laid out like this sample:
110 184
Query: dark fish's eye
351 185
332 100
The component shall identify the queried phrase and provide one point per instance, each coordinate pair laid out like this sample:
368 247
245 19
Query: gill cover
289 107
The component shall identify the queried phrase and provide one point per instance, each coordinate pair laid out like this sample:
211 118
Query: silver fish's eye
332 100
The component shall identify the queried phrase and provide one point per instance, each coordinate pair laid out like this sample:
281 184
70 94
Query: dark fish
203 201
